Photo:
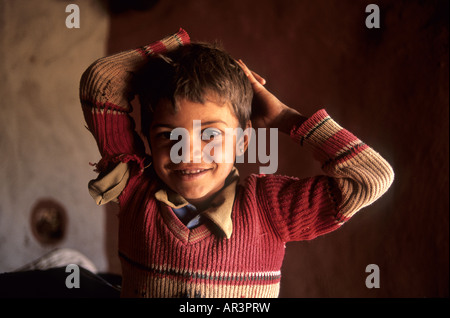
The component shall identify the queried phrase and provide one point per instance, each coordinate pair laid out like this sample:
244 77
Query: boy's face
196 182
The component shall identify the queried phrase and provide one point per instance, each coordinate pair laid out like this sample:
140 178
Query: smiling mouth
188 174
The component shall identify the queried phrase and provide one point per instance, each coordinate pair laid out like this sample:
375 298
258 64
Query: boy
191 229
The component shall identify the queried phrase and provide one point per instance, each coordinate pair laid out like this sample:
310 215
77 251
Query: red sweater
160 256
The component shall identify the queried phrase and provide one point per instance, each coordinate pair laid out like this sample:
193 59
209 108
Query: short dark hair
191 72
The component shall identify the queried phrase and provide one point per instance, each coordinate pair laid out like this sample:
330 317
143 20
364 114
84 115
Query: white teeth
190 171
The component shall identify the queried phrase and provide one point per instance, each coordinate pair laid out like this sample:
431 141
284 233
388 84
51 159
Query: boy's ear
246 140
148 146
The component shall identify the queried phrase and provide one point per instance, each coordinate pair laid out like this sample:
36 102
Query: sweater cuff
327 139
167 44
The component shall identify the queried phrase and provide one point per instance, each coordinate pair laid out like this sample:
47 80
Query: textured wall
388 86
44 147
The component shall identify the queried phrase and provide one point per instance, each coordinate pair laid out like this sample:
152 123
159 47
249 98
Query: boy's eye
164 135
209 133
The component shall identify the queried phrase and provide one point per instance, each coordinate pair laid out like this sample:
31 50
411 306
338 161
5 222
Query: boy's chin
193 195
198 195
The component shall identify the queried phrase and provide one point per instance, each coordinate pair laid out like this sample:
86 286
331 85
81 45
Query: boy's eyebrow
213 122
161 125
204 123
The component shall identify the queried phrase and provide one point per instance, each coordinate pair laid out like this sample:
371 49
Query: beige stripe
211 275
349 146
169 288
321 134
101 111
362 180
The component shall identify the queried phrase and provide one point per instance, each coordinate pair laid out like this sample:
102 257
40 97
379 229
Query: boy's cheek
160 150
219 151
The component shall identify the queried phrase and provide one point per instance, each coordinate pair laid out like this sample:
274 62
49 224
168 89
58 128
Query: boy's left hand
267 110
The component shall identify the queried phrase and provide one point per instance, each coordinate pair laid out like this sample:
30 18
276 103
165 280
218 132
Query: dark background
389 86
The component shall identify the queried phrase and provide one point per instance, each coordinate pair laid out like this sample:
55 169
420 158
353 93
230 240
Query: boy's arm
355 175
106 89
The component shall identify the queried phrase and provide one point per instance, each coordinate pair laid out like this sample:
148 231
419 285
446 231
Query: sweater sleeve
354 177
106 90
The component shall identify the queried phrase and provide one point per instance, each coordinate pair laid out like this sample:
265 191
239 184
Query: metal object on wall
48 222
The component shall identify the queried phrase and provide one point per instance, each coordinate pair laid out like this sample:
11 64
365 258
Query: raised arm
354 174
106 90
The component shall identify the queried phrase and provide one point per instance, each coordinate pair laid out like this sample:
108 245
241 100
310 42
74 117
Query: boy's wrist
287 119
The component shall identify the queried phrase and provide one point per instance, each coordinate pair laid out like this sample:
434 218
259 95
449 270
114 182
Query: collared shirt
107 188
189 215
219 210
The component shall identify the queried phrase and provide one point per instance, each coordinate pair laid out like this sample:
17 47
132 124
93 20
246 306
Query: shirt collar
219 211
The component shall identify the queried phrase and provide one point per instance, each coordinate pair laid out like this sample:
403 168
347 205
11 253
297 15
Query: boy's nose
195 148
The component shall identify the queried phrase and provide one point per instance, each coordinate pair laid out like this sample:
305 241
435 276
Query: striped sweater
160 256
